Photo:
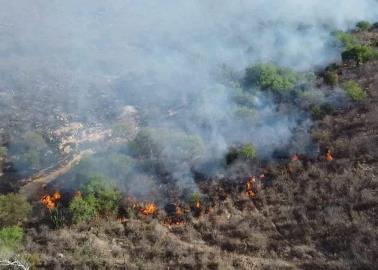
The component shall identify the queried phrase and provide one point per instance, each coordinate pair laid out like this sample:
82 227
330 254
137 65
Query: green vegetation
245 152
354 91
347 39
354 50
168 145
11 237
105 194
331 78
248 152
83 209
13 209
269 76
121 130
363 25
359 53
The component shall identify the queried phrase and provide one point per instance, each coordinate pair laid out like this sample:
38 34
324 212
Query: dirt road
33 189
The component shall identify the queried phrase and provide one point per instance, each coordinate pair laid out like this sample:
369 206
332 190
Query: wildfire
249 187
329 155
50 201
149 209
176 219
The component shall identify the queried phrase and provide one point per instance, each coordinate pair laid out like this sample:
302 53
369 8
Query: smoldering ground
176 61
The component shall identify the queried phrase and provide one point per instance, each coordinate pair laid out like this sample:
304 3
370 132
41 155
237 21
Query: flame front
329 155
249 186
50 201
149 209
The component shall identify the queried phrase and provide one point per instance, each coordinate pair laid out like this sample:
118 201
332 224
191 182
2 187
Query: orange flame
329 155
50 201
149 209
249 186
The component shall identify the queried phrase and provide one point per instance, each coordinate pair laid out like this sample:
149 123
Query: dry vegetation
308 213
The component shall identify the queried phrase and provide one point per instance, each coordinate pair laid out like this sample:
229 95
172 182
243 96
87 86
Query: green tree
354 91
13 209
269 76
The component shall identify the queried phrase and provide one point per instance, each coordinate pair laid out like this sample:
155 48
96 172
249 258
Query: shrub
347 39
121 130
11 237
83 209
331 78
359 53
13 209
105 194
248 152
354 91
363 25
144 145
269 76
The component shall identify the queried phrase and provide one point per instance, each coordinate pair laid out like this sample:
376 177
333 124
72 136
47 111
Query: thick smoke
176 61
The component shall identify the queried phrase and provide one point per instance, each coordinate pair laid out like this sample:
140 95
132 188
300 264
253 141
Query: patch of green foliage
169 145
347 39
13 209
248 151
354 50
363 25
11 237
245 152
269 76
354 91
105 194
359 53
83 208
331 78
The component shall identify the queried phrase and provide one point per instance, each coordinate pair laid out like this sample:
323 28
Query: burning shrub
83 209
11 237
13 209
354 91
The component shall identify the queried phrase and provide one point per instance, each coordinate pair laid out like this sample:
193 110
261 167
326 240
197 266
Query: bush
121 130
354 91
83 209
144 145
359 53
269 76
11 237
13 209
105 195
363 25
331 78
347 39
248 152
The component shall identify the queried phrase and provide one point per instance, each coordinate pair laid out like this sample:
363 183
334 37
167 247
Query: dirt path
35 185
